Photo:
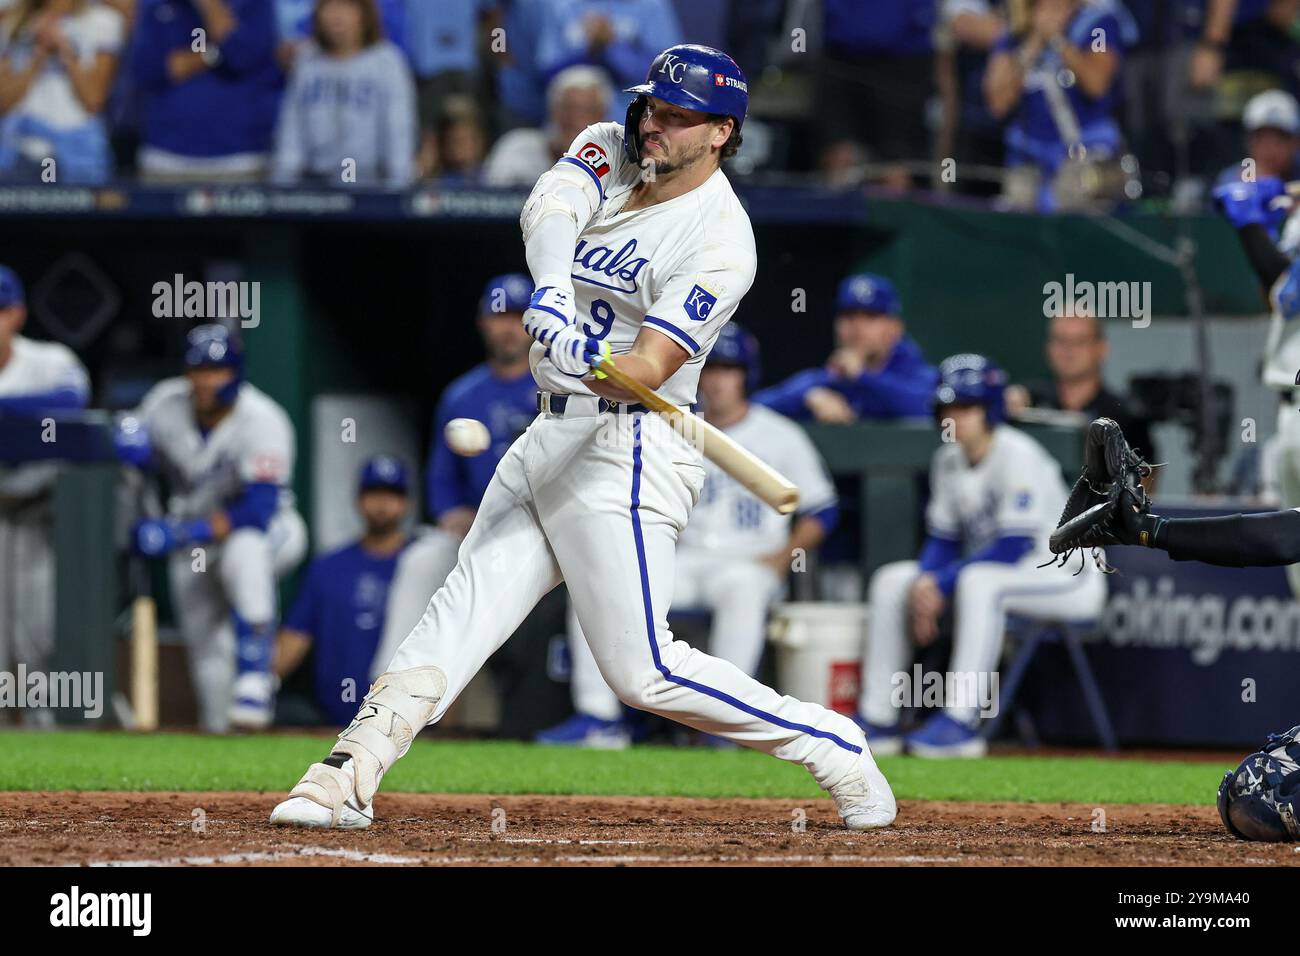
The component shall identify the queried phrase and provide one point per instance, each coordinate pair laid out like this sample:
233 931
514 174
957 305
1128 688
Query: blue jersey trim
674 331
589 171
650 621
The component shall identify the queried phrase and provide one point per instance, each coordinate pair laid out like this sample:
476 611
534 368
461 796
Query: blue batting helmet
1260 800
970 379
11 288
506 293
384 472
693 77
735 346
215 346
868 292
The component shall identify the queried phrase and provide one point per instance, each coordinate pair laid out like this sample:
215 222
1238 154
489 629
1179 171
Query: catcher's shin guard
398 706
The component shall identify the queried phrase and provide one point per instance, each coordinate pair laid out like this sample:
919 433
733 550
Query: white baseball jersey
680 267
728 519
254 443
1015 491
36 367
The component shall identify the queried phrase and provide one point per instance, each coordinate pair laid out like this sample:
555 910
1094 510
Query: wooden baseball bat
765 482
144 622
144 657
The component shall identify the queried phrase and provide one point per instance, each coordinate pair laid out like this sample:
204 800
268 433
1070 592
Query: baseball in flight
467 436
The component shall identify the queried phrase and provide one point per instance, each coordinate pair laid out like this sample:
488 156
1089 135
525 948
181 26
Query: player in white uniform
226 452
734 556
36 378
647 262
995 497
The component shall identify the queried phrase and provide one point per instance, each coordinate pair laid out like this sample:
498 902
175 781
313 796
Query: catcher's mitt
1112 476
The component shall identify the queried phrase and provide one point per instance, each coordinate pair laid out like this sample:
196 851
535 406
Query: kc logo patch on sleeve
595 157
699 303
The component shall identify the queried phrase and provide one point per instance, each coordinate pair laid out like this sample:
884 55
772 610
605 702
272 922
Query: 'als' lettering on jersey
595 157
700 303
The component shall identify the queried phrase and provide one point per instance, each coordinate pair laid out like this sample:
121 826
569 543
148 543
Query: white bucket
819 651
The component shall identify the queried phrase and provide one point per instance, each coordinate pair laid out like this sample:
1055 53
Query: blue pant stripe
713 692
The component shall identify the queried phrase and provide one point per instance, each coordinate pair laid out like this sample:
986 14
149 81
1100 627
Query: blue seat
1027 634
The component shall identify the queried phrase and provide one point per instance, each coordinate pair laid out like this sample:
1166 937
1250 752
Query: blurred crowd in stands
1029 100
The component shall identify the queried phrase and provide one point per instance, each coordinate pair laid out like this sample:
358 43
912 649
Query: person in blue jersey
876 370
209 113
499 392
1054 80
340 608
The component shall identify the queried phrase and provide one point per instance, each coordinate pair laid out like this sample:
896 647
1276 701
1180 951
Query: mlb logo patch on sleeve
699 303
595 157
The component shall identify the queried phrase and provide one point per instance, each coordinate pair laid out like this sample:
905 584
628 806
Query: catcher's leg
505 568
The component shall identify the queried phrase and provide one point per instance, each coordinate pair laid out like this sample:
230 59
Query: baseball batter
637 246
225 450
35 378
995 496
734 557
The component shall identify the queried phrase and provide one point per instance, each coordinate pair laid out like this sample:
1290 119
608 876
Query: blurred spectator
209 114
295 26
340 608
459 143
443 40
1054 78
1076 353
874 81
968 133
876 371
1271 122
57 60
620 36
35 379
1264 41
520 87
576 98
349 113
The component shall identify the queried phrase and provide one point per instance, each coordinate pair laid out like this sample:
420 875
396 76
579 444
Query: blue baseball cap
868 292
511 291
384 472
11 288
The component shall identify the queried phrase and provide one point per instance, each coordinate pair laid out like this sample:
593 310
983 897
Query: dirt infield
214 829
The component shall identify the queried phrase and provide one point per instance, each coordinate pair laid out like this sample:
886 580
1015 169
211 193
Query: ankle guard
397 708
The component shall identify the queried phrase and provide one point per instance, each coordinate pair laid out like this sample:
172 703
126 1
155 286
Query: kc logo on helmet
672 67
595 157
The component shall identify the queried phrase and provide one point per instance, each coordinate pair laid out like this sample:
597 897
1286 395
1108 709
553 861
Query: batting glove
574 353
549 311
155 537
1247 204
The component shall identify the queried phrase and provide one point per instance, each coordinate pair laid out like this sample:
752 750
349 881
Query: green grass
116 761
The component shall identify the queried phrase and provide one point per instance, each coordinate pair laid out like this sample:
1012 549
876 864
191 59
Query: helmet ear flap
632 129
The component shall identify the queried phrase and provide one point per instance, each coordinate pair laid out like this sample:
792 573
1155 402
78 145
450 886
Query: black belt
558 402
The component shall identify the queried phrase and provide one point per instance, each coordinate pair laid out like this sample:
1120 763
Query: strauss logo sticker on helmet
721 79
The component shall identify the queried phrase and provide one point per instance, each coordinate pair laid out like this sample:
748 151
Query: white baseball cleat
864 798
325 797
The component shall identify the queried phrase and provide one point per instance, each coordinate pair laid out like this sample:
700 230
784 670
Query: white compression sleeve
549 250
562 203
